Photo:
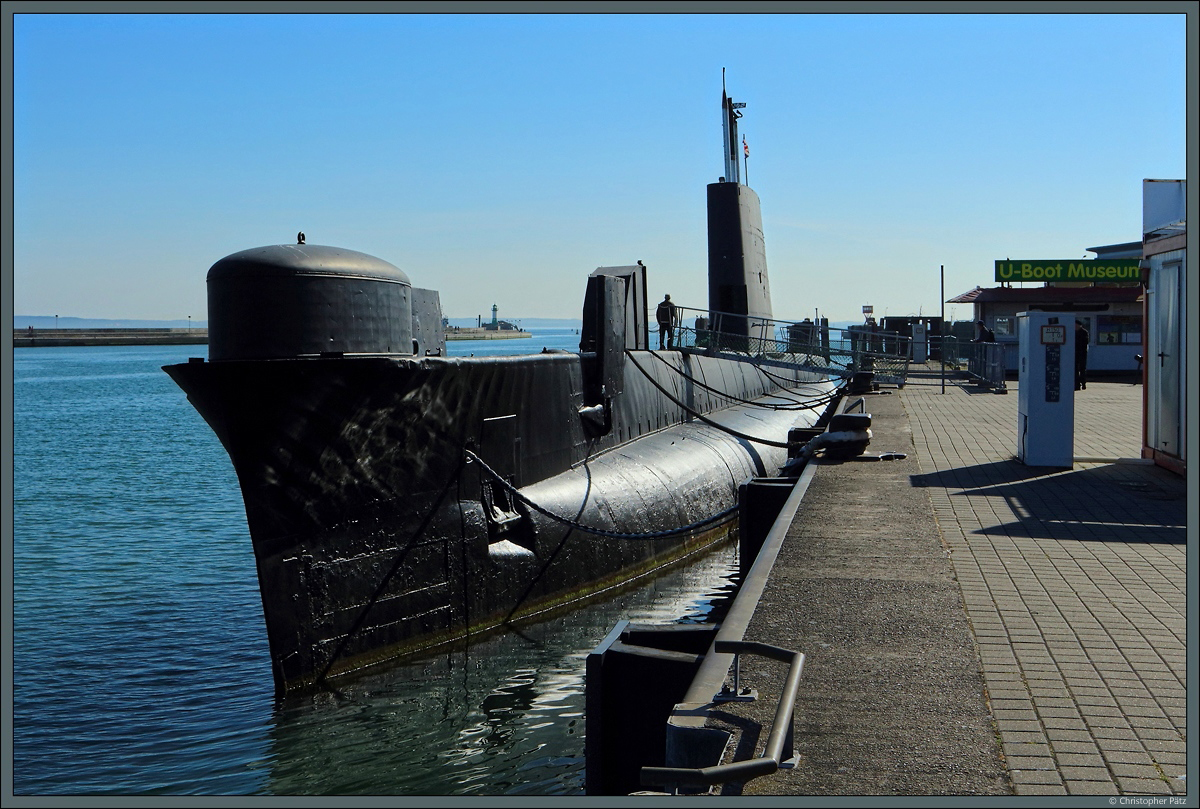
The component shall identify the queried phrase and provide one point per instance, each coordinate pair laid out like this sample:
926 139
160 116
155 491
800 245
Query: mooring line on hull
562 542
462 550
591 445
808 404
604 532
782 379
700 416
362 615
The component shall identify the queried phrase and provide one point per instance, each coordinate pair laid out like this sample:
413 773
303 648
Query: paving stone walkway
1074 583
975 626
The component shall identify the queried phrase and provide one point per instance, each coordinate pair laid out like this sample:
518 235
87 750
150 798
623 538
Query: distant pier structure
30 336
497 329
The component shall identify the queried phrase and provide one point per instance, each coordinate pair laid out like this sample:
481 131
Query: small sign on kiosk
1054 335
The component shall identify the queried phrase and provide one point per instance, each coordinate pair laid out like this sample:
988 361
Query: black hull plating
374 534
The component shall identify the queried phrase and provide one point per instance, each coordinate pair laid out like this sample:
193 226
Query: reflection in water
498 715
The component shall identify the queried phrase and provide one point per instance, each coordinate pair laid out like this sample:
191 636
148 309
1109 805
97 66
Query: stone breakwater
485 334
24 338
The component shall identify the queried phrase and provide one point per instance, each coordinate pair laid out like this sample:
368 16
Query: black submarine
398 498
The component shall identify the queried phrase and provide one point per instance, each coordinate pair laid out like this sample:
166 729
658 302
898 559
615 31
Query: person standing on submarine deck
666 314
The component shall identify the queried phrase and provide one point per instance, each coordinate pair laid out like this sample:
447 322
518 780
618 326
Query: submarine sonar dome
295 300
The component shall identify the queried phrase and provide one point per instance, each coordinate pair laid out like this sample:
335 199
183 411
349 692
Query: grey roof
1123 250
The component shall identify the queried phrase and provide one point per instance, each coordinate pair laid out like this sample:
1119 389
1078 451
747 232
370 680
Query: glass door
1163 363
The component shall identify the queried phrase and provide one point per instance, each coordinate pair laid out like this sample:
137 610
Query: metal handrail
983 361
714 669
833 350
779 741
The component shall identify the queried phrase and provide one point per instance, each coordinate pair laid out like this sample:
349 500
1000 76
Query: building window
1003 326
1118 329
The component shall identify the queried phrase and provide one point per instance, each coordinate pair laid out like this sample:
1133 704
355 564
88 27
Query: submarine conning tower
739 291
303 300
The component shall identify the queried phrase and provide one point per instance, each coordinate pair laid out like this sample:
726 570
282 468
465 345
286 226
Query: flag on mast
745 146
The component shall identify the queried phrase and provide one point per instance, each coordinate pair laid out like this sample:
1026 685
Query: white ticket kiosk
1046 389
920 343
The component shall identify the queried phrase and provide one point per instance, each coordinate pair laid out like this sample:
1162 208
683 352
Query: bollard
759 503
632 683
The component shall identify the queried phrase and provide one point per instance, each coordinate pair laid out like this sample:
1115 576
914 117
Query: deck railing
836 351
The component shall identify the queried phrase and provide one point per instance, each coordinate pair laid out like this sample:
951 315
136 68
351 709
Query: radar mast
729 118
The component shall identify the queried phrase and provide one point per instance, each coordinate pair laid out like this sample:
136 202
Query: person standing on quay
665 315
1081 348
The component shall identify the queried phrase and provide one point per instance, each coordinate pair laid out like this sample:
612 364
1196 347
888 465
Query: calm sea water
140 653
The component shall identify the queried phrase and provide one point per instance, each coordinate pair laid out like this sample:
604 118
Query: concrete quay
974 626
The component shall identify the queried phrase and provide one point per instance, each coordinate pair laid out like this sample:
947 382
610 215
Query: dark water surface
140 654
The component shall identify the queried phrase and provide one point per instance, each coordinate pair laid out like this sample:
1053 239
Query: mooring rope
701 416
784 379
797 404
379 590
604 532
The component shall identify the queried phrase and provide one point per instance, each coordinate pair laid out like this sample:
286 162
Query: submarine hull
397 503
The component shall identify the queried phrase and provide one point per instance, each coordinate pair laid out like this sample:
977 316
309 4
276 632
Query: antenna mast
729 119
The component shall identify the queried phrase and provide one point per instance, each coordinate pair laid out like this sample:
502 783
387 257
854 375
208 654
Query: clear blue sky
501 158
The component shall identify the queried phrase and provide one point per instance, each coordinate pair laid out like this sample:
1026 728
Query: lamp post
189 323
943 329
